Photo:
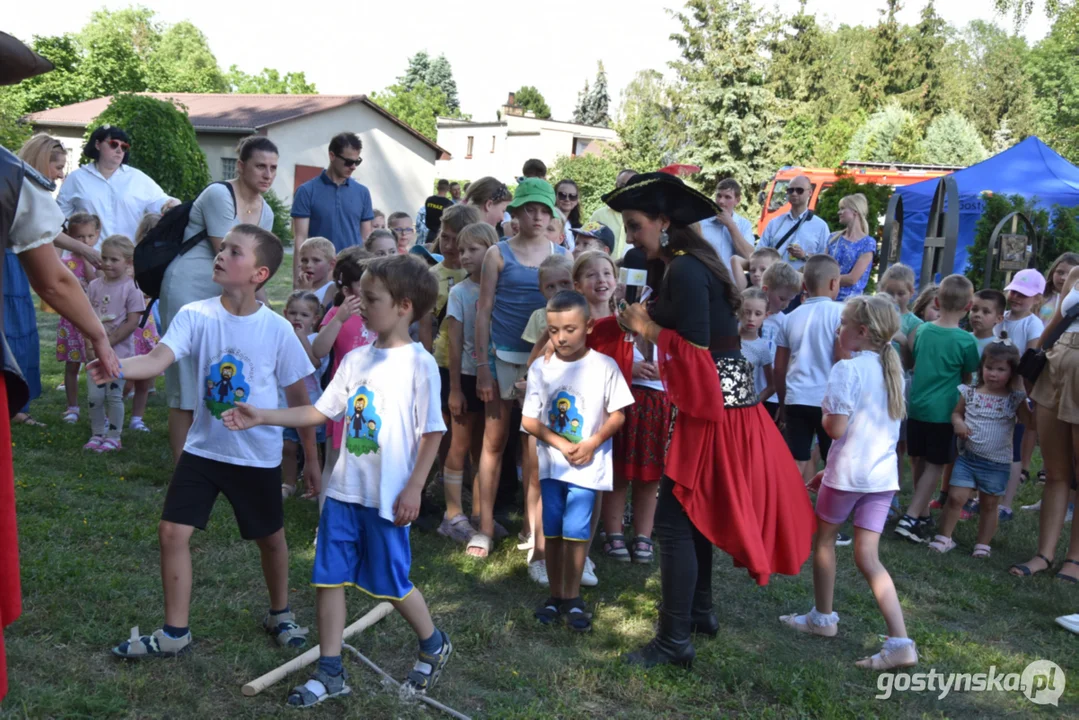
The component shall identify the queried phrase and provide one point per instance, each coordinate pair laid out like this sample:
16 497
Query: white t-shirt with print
389 398
246 358
770 329
810 333
574 399
759 352
1021 332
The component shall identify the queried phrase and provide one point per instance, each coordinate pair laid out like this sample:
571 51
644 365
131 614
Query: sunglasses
567 196
350 163
118 145
795 191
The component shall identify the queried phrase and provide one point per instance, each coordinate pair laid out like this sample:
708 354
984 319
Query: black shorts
444 390
254 493
771 408
933 441
803 422
473 404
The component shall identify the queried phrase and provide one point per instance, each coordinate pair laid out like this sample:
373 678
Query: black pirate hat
658 193
18 62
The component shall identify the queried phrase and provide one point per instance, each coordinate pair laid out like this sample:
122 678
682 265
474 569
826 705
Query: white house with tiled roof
398 162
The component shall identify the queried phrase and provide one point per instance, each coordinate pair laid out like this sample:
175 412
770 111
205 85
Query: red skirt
10 592
640 447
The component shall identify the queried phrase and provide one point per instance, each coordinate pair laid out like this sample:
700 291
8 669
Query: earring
664 238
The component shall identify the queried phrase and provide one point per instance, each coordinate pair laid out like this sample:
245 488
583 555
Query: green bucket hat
534 190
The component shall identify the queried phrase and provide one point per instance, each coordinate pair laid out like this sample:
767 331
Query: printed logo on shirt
564 416
226 385
363 423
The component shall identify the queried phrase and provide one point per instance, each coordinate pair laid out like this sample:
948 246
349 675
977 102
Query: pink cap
1027 282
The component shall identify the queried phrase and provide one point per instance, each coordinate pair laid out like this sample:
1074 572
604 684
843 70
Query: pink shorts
870 509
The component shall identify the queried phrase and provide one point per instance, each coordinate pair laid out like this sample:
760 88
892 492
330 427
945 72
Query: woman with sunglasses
110 188
189 277
568 201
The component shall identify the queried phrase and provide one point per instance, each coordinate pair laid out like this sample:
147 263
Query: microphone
634 274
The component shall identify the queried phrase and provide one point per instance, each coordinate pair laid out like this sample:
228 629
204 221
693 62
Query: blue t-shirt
846 253
335 211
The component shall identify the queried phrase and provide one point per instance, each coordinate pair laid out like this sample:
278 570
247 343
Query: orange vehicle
773 195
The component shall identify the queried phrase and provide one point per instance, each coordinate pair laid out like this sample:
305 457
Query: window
468 153
492 143
228 168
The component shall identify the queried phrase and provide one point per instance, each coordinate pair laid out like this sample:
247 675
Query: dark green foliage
529 98
995 208
163 143
594 175
282 221
876 197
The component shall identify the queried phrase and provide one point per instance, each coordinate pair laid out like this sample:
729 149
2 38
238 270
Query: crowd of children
519 328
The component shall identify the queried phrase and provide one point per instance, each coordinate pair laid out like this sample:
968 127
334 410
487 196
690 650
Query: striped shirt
991 419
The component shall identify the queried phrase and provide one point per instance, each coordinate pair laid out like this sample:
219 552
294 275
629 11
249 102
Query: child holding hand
70 348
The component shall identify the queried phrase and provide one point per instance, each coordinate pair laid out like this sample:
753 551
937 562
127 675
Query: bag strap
1060 329
783 240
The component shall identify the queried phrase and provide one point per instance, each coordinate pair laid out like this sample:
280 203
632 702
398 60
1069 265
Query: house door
303 174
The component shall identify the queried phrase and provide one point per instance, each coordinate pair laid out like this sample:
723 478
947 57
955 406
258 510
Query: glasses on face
403 230
350 163
118 145
795 191
567 196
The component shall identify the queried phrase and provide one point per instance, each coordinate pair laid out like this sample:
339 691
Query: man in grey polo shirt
810 235
728 232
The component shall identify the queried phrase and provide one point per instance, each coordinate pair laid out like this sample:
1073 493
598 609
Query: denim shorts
971 471
293 435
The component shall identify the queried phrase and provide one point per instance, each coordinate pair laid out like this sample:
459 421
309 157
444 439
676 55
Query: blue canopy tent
1031 169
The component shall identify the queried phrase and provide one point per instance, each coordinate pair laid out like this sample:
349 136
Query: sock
331 665
278 612
175 632
433 644
453 477
73 408
554 602
136 419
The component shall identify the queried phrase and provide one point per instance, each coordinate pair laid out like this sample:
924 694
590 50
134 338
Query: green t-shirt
907 322
941 357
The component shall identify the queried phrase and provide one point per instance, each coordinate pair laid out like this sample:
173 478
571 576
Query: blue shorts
293 435
357 547
971 471
567 510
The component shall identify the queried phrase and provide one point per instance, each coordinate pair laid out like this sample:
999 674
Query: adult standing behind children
797 234
727 478
606 215
728 232
853 248
333 205
190 277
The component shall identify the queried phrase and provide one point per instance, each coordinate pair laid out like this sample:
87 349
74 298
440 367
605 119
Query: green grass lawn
90 572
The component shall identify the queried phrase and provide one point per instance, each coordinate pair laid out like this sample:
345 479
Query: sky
362 47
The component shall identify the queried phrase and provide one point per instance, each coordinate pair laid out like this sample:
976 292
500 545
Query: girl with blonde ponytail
863 406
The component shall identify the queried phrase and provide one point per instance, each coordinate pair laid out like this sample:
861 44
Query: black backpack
163 244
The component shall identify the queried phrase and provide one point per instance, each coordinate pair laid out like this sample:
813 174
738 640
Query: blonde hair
588 257
40 151
766 252
880 317
308 297
857 203
898 273
149 220
478 233
924 300
781 276
752 293
120 243
556 262
819 270
322 245
955 293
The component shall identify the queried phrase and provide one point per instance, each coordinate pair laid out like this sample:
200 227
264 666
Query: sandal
457 528
71 416
1067 578
1041 477
110 445
429 666
140 647
942 544
480 542
981 551
285 630
500 530
1025 570
26 419
615 547
643 550
287 491
138 425
576 615
94 444
322 686
1024 477
548 613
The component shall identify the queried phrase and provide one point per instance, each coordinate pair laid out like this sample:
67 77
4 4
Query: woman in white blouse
110 188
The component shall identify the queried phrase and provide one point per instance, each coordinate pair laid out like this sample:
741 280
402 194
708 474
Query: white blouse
1067 303
120 201
864 459
37 219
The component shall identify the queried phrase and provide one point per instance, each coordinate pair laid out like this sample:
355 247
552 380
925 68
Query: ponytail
893 381
881 318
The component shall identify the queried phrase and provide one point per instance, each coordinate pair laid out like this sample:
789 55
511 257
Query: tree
183 62
529 98
731 115
163 143
594 175
1054 73
994 69
1002 137
889 135
598 101
581 107
927 46
647 134
13 132
269 82
419 107
416 73
995 207
64 85
440 75
876 197
952 140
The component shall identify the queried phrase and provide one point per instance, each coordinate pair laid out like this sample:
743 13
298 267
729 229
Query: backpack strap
787 236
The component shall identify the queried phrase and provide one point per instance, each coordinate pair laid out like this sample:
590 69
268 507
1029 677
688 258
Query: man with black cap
29 221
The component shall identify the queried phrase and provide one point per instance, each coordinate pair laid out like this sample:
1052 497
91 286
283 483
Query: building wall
397 168
483 162
218 147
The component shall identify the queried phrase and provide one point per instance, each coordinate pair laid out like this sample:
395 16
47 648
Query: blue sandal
429 666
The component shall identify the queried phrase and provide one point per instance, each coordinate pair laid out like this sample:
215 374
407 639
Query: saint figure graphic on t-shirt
564 418
225 385
362 423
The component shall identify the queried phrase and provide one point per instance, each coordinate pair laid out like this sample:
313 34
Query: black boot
705 624
670 646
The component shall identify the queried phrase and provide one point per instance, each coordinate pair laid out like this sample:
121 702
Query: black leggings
685 559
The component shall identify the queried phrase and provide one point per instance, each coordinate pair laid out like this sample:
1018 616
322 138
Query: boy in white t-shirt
780 283
389 395
806 349
573 406
246 352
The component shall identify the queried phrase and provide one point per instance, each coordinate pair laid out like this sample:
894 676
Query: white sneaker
588 577
537 572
